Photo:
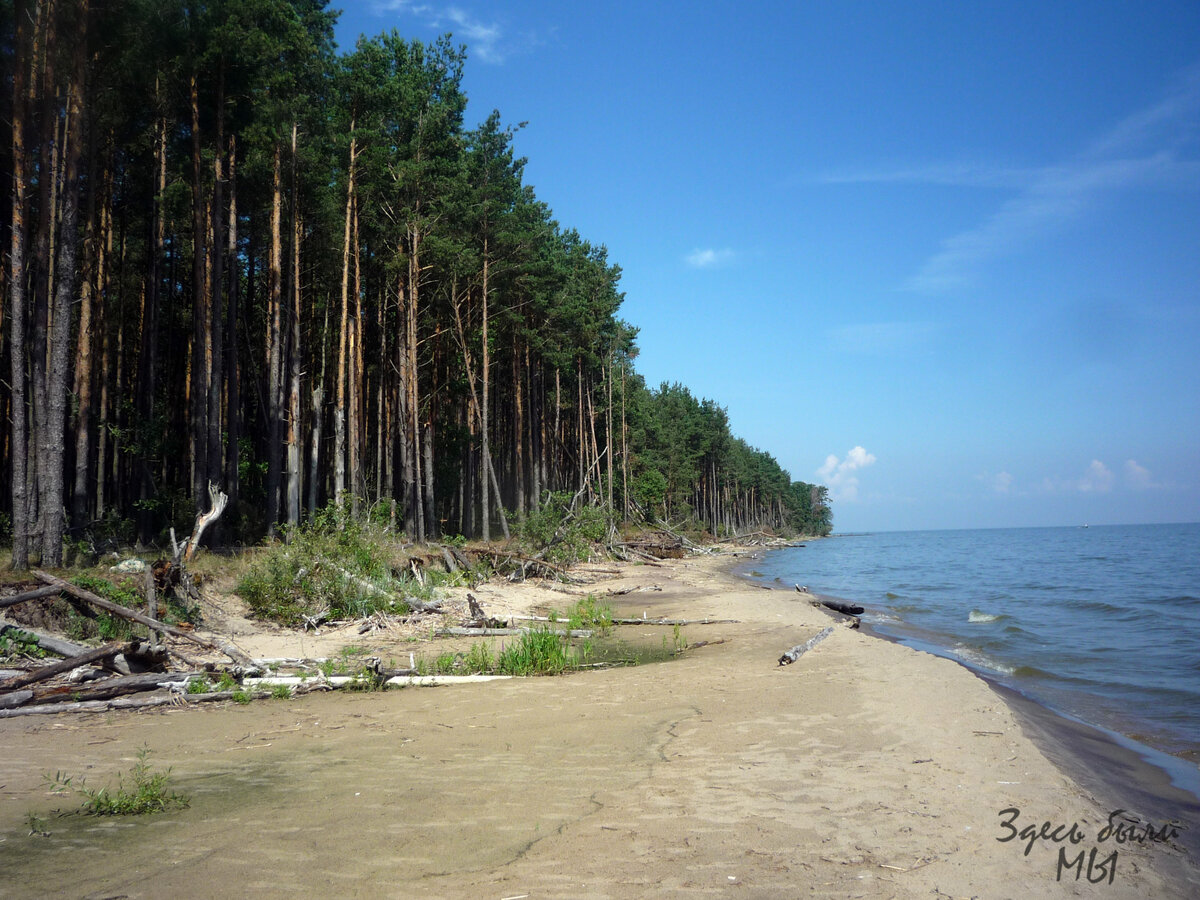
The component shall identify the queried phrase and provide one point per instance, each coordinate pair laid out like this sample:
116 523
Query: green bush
332 564
564 534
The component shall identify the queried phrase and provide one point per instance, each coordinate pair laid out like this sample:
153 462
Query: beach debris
800 649
846 609
108 606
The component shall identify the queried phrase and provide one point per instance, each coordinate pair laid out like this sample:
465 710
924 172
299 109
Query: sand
866 769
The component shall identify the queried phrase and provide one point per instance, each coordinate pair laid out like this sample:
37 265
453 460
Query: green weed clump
14 644
140 791
332 564
538 652
590 613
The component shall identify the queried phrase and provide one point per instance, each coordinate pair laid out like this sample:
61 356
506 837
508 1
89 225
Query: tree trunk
354 387
215 350
275 345
483 406
17 301
199 380
60 337
339 409
233 405
84 354
293 430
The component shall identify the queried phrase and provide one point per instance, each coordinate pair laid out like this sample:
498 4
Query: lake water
1099 623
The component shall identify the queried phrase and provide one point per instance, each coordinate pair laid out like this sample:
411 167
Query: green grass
139 791
538 652
590 613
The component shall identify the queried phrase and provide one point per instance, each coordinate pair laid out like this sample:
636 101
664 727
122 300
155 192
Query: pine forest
235 255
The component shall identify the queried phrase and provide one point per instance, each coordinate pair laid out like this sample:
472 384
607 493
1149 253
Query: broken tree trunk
216 505
228 649
28 595
65 665
799 650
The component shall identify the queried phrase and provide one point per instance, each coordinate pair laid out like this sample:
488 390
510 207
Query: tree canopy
235 256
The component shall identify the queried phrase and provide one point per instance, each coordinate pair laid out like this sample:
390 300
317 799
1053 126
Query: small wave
1181 600
880 618
977 617
910 607
892 595
973 657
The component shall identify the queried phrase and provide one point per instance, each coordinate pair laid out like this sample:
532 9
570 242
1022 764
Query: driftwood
680 622
56 645
228 649
15 698
800 649
108 688
486 631
170 699
847 609
28 595
66 665
635 589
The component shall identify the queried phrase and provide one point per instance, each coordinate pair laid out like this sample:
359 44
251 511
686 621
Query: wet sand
866 769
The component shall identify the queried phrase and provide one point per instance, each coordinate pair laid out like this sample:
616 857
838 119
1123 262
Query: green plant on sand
139 791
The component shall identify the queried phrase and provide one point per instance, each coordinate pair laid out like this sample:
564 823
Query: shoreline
865 768
1124 771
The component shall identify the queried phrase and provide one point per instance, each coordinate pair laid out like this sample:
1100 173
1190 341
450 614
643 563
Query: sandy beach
865 769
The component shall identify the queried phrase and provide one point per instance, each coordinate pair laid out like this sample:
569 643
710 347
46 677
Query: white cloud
1098 479
839 476
1136 476
1001 482
709 257
1151 147
485 39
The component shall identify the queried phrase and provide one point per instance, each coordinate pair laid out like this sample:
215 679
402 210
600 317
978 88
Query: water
1100 623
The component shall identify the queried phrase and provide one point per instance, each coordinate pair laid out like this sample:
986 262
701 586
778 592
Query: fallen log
28 595
169 699
107 689
498 632
848 609
65 665
15 699
799 650
56 645
228 649
680 622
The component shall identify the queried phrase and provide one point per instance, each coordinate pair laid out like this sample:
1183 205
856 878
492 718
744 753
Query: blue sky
942 257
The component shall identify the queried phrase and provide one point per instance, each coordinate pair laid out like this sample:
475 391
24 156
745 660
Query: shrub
332 564
564 534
